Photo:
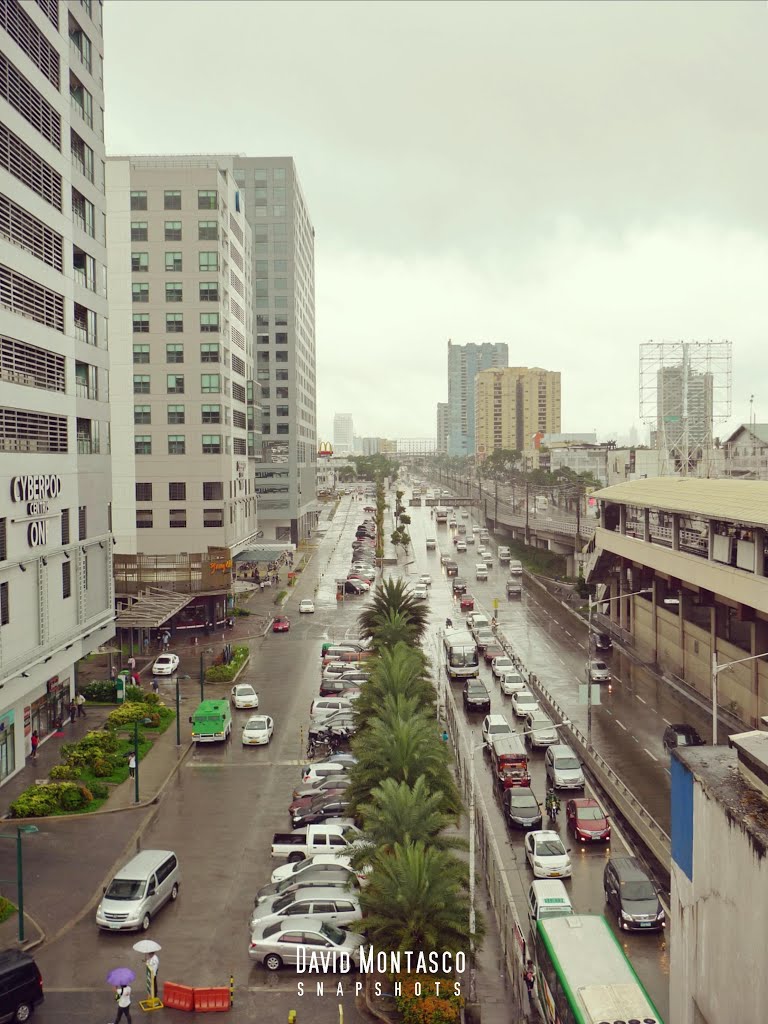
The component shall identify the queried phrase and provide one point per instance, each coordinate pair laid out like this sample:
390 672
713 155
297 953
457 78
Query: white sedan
165 665
244 696
512 682
523 702
307 606
258 731
547 855
501 665
426 579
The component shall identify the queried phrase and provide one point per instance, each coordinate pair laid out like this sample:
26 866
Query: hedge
102 691
51 798
226 673
428 1008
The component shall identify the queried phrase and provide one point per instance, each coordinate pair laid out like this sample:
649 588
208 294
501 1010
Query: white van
481 571
431 543
515 568
139 890
548 898
504 554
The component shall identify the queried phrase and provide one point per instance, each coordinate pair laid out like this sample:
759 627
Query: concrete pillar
710 539
681 610
759 538
602 514
647 525
675 531
654 598
622 519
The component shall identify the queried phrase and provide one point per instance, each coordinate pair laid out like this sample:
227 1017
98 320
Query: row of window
210 352
211 444
210 383
177 518
213 490
206 261
208 291
176 414
174 323
207 199
207 231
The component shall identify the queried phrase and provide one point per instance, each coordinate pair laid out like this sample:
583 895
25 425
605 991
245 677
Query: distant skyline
572 179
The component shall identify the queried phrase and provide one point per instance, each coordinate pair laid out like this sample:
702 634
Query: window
281 410
211 413
176 414
177 518
65 526
282 428
138 200
141 323
141 353
281 266
281 338
177 444
143 491
213 490
210 383
139 262
278 211
143 518
177 492
281 320
208 260
209 352
171 199
174 353
173 291
142 414
238 392
173 261
173 231
281 375
140 384
174 323
66 579
139 231
175 384
238 365
82 523
209 291
207 200
140 292
278 174
281 357
209 323
262 320
281 392
260 175
207 230
5 611
3 539
142 444
278 194
212 517
280 283
211 444
281 301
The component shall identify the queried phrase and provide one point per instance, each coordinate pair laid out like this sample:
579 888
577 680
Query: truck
514 587
306 842
504 554
211 721
441 514
509 761
461 658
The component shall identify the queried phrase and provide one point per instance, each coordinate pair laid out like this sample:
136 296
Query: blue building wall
471 359
682 817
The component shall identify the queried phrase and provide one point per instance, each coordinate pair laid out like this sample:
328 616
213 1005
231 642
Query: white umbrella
147 946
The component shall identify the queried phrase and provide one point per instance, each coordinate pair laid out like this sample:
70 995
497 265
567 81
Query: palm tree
376 702
400 814
392 628
416 899
393 595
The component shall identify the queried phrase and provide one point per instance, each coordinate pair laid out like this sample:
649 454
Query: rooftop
740 501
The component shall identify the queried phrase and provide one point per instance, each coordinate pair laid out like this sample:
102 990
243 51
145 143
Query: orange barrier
178 997
210 1000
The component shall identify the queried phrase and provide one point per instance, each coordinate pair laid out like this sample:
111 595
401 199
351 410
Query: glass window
281 266
177 518
209 352
209 323
281 392
140 292
210 383
177 492
261 268
141 323
281 357
211 413
209 291
174 323
139 231
281 410
278 194
262 339
173 261
207 200
207 230
211 444
142 444
174 291
172 199
174 353
175 384
208 261
176 414
176 444
278 174
281 320
280 248
141 353
142 414
138 200
279 230
262 320
281 338
140 384
281 284
173 231
213 517
278 211
143 492
281 301
139 262
143 518
259 175
281 375
282 428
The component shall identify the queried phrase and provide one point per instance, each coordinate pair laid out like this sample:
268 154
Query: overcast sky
571 178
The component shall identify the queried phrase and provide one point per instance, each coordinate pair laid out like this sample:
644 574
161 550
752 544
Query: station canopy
264 552
152 609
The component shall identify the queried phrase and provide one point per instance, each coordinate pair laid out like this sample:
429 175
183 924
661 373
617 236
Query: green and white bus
583 976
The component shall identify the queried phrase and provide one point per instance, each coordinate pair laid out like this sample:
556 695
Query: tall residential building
343 434
283 271
513 405
464 363
56 599
185 413
442 428
685 412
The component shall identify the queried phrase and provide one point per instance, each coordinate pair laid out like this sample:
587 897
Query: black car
339 687
603 642
632 896
353 587
476 696
315 815
459 586
681 735
340 724
21 985
521 808
451 568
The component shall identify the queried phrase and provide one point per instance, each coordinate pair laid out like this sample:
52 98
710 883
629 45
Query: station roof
739 501
153 608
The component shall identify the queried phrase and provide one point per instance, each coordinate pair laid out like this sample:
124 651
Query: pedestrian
34 740
155 684
529 978
123 1000
136 679
72 711
153 965
113 673
132 764
80 701
445 735
131 663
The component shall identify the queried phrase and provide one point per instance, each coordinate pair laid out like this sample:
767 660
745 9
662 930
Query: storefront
7 741
50 708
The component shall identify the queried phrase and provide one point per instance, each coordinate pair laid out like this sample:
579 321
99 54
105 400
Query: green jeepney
211 721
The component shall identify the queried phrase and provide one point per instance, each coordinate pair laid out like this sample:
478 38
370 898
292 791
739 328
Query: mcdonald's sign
324 450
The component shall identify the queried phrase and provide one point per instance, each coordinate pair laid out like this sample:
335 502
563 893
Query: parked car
546 855
587 820
327 903
301 872
327 784
495 725
244 696
165 665
356 587
21 985
539 730
597 672
681 735
341 724
306 606
500 665
322 769
512 682
323 707
521 808
523 702
281 624
425 579
277 942
632 896
319 810
476 696
258 730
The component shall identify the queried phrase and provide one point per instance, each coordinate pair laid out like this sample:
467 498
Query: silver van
139 890
563 768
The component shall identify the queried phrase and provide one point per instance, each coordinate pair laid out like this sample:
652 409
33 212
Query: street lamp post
716 670
20 831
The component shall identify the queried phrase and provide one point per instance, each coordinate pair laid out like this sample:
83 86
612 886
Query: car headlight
625 916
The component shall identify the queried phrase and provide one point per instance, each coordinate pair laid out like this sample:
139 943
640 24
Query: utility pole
527 527
578 516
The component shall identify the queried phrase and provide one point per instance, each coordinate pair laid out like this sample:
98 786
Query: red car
281 624
587 820
493 651
467 603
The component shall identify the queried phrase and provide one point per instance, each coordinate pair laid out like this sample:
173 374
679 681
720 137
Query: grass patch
537 560
280 596
7 909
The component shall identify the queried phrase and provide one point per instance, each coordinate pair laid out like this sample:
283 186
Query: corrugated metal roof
758 430
740 501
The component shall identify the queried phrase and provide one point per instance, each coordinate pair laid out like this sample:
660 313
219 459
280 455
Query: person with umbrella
121 978
152 961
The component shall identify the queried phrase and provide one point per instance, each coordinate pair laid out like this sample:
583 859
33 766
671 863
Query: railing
80 109
75 51
85 390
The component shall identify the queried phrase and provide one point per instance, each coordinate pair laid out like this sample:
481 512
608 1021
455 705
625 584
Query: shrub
100 790
103 691
102 766
72 799
226 673
99 741
240 612
154 720
151 698
429 1008
129 713
78 759
64 773
134 693
280 595
41 801
7 909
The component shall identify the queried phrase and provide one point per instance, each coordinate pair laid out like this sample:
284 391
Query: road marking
621 724
640 698
200 763
650 754
615 679
666 720
667 771
583 647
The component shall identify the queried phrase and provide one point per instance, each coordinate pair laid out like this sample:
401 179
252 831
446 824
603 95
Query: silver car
279 942
331 904
598 672
313 876
539 730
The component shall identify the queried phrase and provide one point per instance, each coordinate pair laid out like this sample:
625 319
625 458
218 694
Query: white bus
461 658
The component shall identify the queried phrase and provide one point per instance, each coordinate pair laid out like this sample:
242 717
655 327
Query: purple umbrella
121 976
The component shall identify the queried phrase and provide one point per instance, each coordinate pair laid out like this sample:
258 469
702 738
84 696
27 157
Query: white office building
343 434
56 600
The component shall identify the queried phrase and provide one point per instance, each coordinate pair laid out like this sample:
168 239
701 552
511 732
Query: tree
393 595
401 814
391 628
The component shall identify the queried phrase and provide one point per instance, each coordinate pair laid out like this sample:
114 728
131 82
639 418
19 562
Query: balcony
76 50
85 390
80 110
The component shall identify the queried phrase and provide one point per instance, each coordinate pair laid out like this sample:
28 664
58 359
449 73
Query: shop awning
264 552
153 607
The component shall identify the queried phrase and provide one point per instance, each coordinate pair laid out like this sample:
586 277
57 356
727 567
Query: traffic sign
584 697
495 604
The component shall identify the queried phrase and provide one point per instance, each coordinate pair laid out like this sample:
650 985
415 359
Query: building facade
283 272
745 452
464 363
180 286
56 599
512 405
442 428
343 434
